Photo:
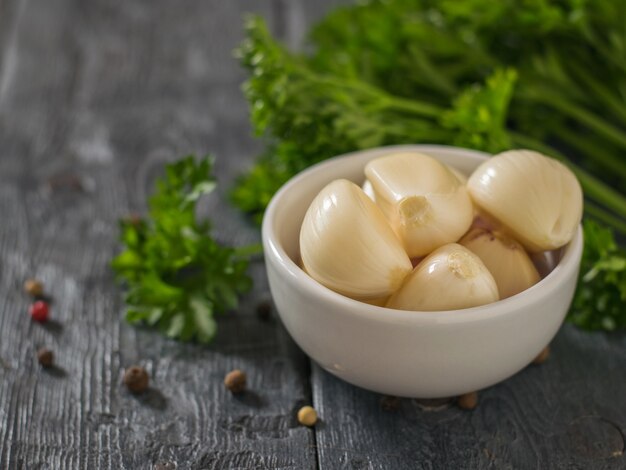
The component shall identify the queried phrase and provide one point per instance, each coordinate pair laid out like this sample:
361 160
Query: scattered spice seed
165 466
45 357
70 181
136 379
134 219
468 401
543 356
264 310
388 403
235 381
307 416
39 311
33 287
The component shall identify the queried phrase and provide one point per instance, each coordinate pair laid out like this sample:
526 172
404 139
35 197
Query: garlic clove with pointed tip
537 198
347 245
450 278
505 258
425 203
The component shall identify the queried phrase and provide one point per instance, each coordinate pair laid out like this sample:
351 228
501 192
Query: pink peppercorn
39 311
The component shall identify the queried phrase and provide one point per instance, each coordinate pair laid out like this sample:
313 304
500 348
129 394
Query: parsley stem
414 106
581 115
421 109
603 216
587 147
600 91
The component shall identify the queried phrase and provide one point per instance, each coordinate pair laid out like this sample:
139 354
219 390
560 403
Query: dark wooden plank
99 95
568 413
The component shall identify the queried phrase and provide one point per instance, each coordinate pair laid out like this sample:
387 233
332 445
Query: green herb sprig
601 295
178 276
472 74
309 116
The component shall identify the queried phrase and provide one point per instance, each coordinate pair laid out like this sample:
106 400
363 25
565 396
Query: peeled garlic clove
505 259
425 203
450 278
369 190
537 198
347 245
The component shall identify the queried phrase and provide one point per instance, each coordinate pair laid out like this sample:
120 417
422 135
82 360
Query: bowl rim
569 262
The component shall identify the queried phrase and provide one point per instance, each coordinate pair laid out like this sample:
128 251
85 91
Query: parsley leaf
177 276
601 294
479 113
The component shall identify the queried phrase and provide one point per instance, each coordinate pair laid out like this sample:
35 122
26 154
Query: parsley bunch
479 74
178 277
310 115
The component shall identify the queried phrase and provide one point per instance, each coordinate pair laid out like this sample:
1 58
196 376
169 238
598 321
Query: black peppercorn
235 381
45 357
388 403
264 310
133 219
136 379
542 356
468 401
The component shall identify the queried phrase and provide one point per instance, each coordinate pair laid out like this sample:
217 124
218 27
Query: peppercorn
307 416
264 310
388 403
468 401
235 381
136 379
45 357
39 311
33 287
69 181
165 466
542 356
134 219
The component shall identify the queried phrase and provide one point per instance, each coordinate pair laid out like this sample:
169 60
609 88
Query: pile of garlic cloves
421 236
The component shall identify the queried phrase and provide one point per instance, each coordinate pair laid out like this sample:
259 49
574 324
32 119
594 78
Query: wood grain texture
569 413
96 96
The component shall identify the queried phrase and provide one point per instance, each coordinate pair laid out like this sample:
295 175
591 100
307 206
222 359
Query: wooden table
94 97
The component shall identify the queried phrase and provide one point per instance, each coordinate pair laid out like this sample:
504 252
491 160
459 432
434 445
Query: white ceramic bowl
402 353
